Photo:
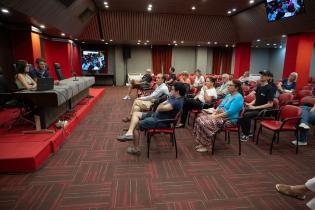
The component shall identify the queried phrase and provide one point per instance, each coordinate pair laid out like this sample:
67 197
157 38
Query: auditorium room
157 104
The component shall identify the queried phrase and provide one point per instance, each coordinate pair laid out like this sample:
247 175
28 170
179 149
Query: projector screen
282 9
93 60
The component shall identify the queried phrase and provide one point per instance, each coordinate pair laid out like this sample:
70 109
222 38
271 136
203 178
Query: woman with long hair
22 79
208 124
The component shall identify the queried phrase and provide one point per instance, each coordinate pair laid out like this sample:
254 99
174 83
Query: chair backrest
308 87
249 98
303 93
275 103
307 100
58 71
217 103
284 98
289 111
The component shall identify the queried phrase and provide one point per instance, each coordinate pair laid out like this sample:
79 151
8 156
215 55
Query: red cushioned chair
246 90
249 98
307 100
308 87
289 118
227 130
303 93
285 98
171 131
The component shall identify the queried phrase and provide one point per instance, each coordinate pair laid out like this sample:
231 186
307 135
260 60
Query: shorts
149 120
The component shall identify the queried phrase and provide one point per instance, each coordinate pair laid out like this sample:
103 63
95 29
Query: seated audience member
172 78
22 78
143 83
264 100
208 124
24 81
245 78
299 191
307 118
288 85
145 102
41 70
166 110
200 101
222 90
199 80
184 78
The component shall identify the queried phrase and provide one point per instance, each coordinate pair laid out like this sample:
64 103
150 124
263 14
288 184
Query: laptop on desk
45 84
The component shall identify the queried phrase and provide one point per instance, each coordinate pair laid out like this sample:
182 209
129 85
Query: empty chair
58 71
285 98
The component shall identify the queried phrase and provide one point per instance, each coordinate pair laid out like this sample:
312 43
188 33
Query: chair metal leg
225 136
273 139
229 138
213 143
259 131
278 134
297 141
239 142
188 117
148 142
174 140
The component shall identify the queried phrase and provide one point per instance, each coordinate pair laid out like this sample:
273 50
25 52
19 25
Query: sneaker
202 149
244 138
126 98
301 143
133 151
303 125
198 146
127 84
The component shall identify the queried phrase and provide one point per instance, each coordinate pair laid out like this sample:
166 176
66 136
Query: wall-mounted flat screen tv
93 60
282 9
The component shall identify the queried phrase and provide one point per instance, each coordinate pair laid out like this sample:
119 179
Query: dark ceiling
203 7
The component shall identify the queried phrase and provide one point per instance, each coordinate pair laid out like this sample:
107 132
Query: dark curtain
217 60
222 59
161 59
227 60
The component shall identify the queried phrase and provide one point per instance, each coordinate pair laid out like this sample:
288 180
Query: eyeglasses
231 85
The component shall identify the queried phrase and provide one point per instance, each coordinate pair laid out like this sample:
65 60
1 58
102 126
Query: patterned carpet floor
93 171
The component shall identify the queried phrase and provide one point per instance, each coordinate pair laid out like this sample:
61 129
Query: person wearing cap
288 85
143 83
264 100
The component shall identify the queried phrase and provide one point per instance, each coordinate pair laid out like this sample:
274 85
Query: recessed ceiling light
233 9
198 45
226 45
42 26
102 40
149 8
168 44
215 42
174 41
193 8
147 41
83 42
182 42
139 40
284 35
106 6
150 5
233 45
63 34
267 44
106 42
229 12
274 44
110 40
258 40
175 44
209 42
105 2
138 43
251 1
76 39
4 10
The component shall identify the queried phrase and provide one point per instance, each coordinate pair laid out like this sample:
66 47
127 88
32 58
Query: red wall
242 59
22 46
58 52
76 60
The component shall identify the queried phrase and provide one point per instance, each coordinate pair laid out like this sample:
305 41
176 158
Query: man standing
145 102
166 110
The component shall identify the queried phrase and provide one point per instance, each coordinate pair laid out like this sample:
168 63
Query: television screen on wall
93 60
282 9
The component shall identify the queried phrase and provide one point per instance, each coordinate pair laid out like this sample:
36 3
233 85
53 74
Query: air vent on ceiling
67 3
85 15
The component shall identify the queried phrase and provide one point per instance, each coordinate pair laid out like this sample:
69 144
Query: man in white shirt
145 102
201 101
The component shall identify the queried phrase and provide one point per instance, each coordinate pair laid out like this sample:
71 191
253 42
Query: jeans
307 117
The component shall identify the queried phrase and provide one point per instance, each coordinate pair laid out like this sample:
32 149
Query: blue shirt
286 86
177 104
39 74
232 105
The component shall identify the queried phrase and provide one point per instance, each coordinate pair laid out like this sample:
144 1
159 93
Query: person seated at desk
24 81
172 78
145 102
143 83
288 85
166 110
41 70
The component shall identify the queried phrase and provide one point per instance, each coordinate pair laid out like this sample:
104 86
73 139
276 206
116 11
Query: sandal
286 190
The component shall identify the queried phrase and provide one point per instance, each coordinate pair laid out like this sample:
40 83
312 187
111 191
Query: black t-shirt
173 76
264 94
146 78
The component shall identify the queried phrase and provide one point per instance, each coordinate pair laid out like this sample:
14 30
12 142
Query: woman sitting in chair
208 124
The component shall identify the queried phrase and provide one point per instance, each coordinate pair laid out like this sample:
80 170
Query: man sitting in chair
166 110
41 70
144 103
143 83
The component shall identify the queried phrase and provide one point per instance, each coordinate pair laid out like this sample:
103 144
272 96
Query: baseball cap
266 73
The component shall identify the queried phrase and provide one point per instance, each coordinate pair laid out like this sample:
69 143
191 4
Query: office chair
58 71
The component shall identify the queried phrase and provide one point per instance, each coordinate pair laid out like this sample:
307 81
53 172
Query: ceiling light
83 42
168 44
234 10
175 44
106 42
174 41
106 6
110 40
268 44
150 5
284 35
274 44
193 8
102 40
138 43
256 46
233 45
42 26
198 45
5 11
226 45
258 40
209 42
229 12
105 2
76 39
147 41
251 1
139 40
215 42
149 8
63 34
182 42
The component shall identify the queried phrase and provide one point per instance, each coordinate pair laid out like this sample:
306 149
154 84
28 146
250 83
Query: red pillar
298 57
242 59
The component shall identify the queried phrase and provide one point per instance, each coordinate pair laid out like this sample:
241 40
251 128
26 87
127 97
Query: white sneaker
198 146
202 149
303 125
300 143
126 98
127 84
